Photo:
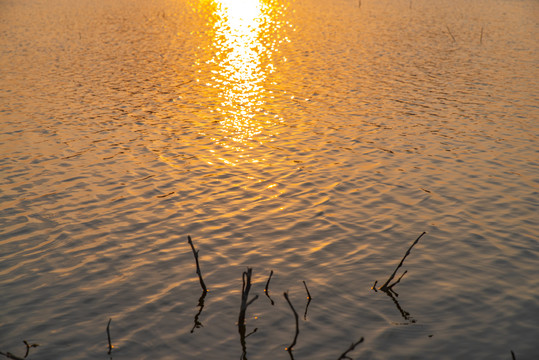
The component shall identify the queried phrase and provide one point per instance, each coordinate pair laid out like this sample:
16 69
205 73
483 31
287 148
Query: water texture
317 139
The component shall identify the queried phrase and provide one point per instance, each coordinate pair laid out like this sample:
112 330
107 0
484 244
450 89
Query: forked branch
386 286
352 347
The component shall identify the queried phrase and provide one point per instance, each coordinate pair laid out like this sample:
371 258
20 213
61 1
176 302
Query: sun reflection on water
245 39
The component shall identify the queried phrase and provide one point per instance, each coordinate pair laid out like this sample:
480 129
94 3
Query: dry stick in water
246 287
266 288
15 357
481 38
450 34
352 347
195 253
289 349
28 346
108 336
308 302
385 287
513 355
11 356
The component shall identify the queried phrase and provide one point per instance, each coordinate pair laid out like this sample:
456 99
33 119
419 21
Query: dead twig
11 356
352 347
245 302
108 336
195 253
385 287
289 349
449 31
266 291
481 38
28 346
15 357
309 301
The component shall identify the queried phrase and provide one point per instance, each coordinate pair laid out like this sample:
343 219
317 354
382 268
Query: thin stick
352 347
266 288
308 293
28 346
513 355
398 281
11 356
451 34
246 287
251 333
195 253
108 336
309 301
384 287
289 349
481 38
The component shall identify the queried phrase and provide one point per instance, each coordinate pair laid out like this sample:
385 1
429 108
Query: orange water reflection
245 40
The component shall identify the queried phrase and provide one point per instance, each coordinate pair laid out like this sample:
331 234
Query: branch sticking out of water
246 287
108 336
28 346
513 355
289 349
352 347
195 253
11 356
385 287
481 38
449 31
266 291
15 357
309 301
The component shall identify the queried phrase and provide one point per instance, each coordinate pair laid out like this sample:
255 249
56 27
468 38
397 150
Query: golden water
313 138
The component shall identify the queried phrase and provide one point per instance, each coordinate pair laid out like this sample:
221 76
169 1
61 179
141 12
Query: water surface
313 138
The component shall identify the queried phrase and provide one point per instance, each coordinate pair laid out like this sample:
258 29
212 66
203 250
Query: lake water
314 138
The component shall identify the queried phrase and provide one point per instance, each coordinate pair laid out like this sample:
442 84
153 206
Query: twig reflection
405 314
197 323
